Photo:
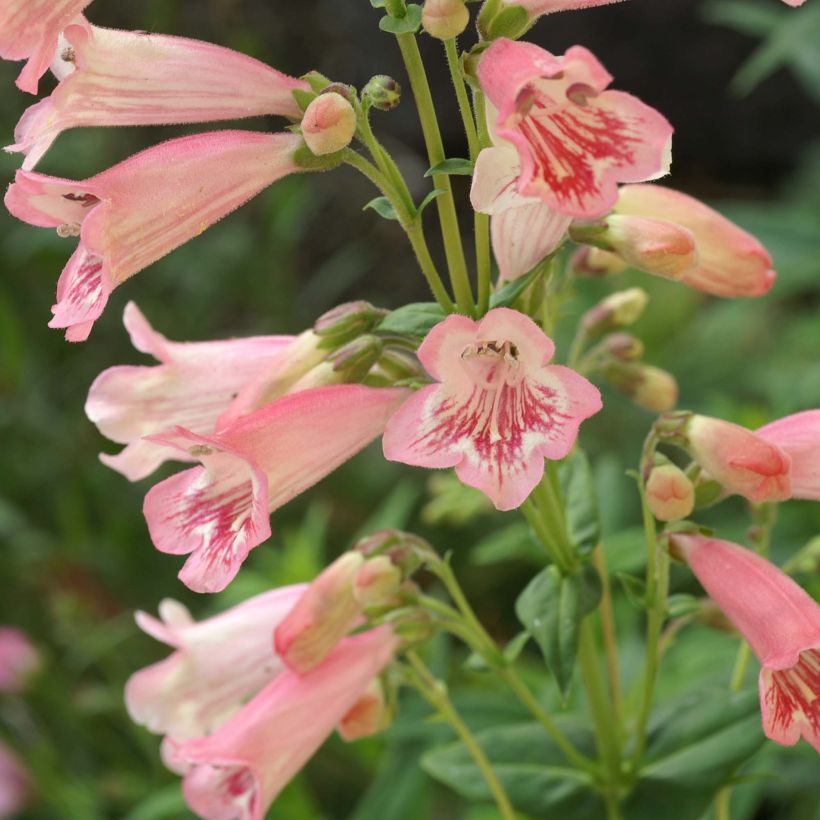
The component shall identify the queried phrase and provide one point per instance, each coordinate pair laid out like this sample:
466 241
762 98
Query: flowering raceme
498 409
780 621
138 78
141 209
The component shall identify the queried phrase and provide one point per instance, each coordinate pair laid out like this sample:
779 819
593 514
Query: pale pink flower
217 666
219 512
575 139
19 660
141 209
798 436
237 772
191 386
498 408
539 7
780 621
742 461
14 784
30 29
138 78
730 262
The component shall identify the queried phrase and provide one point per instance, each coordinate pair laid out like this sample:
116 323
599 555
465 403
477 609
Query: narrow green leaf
434 194
635 589
512 290
409 24
415 319
578 487
455 166
383 207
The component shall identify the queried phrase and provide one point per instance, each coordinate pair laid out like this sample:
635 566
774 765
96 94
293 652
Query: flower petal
798 435
790 701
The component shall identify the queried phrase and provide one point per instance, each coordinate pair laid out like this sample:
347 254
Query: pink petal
798 435
790 701
14 783
539 7
494 180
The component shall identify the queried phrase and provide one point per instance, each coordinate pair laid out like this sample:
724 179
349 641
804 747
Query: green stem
481 224
434 692
445 203
722 809
610 637
411 226
457 77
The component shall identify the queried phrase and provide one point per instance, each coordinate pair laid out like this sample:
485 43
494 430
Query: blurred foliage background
741 83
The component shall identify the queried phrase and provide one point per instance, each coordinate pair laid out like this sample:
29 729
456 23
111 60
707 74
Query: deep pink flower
219 512
30 29
798 436
18 659
575 139
237 772
191 386
498 410
138 78
141 209
730 262
539 7
780 621
742 461
217 665
14 784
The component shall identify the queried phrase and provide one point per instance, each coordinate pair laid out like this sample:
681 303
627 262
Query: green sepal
409 24
383 207
415 319
308 161
316 80
512 22
456 166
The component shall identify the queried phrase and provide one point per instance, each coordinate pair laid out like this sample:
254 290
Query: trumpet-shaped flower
141 209
730 262
237 772
575 139
218 664
219 511
30 30
137 78
798 436
780 621
14 784
191 386
538 7
19 660
498 408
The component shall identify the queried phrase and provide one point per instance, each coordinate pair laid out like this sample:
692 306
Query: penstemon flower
219 512
498 410
798 436
19 660
539 7
138 78
141 209
30 29
780 621
14 784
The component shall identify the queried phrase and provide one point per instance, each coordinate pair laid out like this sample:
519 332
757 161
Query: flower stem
461 95
610 637
435 693
481 224
445 203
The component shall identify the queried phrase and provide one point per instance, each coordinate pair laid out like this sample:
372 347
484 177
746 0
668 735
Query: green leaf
635 589
409 24
434 194
383 207
533 771
551 607
515 542
578 488
512 290
516 646
377 4
455 166
415 319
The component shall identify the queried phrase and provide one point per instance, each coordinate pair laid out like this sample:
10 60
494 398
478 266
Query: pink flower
193 384
14 784
19 660
138 78
237 772
730 262
539 7
498 409
780 621
30 29
141 209
217 665
219 512
798 436
575 139
742 461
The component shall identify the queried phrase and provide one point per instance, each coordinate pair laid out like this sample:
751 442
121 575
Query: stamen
68 229
68 55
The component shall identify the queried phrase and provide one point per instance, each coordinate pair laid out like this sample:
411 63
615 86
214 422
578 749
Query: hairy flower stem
461 96
610 637
445 203
481 222
435 693
411 225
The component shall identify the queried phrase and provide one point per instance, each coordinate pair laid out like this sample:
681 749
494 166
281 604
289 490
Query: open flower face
498 410
575 139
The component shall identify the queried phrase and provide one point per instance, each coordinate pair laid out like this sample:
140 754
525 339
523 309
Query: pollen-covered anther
68 229
199 450
68 55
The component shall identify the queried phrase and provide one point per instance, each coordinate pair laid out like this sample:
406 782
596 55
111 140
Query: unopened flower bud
329 124
593 262
377 582
651 245
444 19
355 359
624 346
669 493
405 550
617 310
345 322
400 364
743 462
649 387
324 614
369 715
382 92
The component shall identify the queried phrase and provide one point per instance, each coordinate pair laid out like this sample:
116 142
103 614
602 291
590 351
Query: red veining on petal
793 696
81 292
85 200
